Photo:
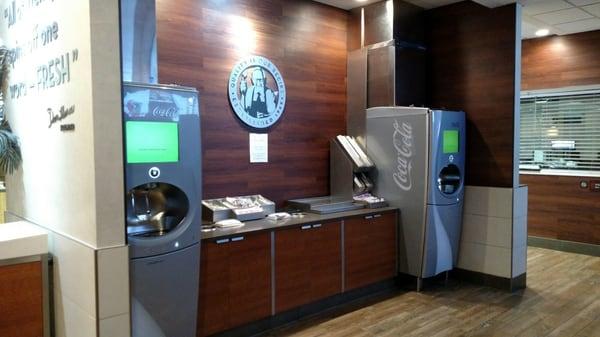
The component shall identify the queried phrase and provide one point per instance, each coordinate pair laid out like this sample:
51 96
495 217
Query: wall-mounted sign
259 148
257 92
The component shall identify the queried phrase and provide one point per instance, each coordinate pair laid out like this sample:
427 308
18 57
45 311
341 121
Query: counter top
308 218
22 239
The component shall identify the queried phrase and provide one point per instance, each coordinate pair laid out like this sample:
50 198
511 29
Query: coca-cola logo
164 112
403 143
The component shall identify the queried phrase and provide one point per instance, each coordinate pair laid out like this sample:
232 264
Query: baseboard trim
346 301
565 246
504 283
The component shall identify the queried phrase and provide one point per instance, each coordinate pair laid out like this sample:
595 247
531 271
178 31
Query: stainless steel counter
308 218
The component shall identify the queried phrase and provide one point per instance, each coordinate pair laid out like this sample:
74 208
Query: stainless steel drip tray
325 205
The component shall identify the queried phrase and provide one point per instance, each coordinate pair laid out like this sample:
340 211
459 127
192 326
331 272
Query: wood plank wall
471 67
199 41
558 207
561 61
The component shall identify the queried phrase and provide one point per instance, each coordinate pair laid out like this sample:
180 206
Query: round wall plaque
257 92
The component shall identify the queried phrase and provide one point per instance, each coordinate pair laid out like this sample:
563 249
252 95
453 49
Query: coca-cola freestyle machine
420 158
162 178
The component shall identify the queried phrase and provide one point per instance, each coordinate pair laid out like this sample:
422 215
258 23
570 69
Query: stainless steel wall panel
381 87
357 94
138 41
378 22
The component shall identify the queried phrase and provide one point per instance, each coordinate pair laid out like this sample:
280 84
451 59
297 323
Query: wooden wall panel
198 44
561 61
558 208
471 67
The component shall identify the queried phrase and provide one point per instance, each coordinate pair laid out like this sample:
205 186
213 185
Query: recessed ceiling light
542 32
361 0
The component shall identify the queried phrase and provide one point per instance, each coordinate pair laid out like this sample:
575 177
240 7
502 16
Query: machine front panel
447 157
397 142
162 155
163 303
446 190
443 238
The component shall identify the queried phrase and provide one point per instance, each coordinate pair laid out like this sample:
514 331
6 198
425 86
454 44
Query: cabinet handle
368 217
306 227
237 238
222 241
377 216
317 225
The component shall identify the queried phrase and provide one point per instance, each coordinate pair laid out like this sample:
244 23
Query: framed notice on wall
259 147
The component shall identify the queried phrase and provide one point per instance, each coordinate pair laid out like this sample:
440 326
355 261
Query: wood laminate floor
562 299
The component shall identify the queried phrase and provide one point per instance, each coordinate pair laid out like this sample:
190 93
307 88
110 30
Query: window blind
561 131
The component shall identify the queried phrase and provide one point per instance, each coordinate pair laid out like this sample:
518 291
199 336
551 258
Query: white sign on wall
259 148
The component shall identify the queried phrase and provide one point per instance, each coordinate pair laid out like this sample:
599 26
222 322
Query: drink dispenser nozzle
155 209
133 201
142 207
147 198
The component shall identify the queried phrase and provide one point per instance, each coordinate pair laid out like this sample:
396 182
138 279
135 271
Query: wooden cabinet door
292 268
21 305
235 282
325 253
249 278
385 252
213 298
370 249
308 264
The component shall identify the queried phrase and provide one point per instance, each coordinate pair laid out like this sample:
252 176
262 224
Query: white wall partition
63 100
494 232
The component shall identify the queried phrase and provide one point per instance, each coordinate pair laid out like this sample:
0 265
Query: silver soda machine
163 197
420 158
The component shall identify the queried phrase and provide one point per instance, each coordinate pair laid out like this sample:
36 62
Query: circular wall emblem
257 92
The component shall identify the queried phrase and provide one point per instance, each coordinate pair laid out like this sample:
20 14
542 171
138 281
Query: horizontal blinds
561 132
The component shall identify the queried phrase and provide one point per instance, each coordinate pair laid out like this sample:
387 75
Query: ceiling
559 16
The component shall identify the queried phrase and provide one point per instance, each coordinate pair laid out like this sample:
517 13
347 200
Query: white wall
71 182
55 187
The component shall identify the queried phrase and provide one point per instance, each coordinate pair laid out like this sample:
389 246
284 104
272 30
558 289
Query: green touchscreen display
450 141
152 142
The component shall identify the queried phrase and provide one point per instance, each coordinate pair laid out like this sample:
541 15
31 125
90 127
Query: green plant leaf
10 149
